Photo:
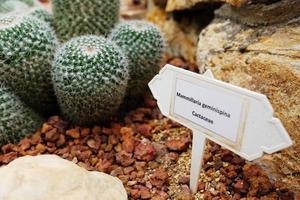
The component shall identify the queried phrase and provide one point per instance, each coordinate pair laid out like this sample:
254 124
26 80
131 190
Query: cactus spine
28 7
83 17
27 48
90 78
16 119
143 43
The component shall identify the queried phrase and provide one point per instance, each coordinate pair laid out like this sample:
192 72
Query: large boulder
181 30
263 55
50 177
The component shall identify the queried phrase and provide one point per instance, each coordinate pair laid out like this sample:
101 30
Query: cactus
90 76
16 119
83 17
27 48
29 7
42 14
7 6
143 43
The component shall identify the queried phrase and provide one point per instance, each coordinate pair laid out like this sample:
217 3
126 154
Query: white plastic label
216 111
236 118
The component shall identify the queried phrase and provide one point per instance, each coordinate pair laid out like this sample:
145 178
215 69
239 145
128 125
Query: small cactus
29 7
27 48
143 44
16 119
83 17
90 77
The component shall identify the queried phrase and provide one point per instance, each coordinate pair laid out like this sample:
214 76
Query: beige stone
49 177
264 59
181 37
173 5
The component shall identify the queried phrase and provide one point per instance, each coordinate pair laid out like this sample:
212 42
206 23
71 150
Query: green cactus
144 44
42 14
29 7
7 6
16 119
90 76
27 47
83 17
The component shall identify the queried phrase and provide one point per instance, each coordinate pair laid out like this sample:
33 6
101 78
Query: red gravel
143 151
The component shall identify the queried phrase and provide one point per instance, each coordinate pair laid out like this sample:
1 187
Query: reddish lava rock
145 130
145 152
150 155
159 178
177 145
124 158
74 133
241 186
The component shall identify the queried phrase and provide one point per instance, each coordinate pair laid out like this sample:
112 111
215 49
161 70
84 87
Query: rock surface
50 177
265 59
173 5
181 30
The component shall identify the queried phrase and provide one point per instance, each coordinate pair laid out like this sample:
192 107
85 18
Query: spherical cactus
29 7
7 6
82 17
90 76
143 43
42 14
27 47
16 119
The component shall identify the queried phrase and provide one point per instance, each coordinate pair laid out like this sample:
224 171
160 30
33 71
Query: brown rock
128 139
96 130
144 152
116 172
124 158
145 130
7 158
181 37
93 144
36 138
140 165
74 133
128 170
259 186
6 148
24 144
103 166
85 132
133 9
264 59
184 180
51 135
201 186
177 145
173 5
46 127
134 193
161 195
241 186
226 155
185 193
61 140
145 193
40 148
159 178
262 13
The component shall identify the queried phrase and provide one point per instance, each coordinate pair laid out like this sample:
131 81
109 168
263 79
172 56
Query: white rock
48 177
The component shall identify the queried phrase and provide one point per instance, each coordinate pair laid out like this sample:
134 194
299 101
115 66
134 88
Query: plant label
235 118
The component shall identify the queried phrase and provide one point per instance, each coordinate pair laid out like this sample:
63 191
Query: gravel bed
151 155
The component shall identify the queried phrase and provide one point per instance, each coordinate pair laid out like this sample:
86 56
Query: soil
151 155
